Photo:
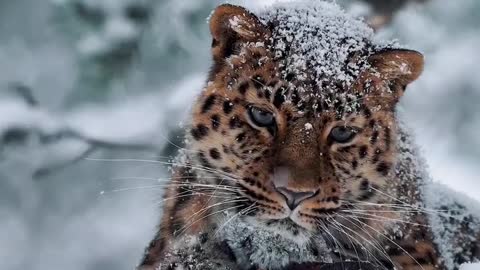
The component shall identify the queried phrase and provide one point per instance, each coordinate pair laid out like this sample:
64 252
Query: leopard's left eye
343 134
260 117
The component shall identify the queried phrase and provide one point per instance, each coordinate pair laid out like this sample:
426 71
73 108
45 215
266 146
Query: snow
470 266
269 249
319 42
320 34
446 225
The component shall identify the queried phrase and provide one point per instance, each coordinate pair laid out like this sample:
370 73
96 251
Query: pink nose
294 198
281 179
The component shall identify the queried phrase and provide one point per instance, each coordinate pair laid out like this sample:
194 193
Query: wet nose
294 198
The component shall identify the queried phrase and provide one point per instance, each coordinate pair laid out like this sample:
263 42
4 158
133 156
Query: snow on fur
318 34
453 217
319 42
270 249
458 214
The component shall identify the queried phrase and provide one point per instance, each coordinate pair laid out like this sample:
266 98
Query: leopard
296 156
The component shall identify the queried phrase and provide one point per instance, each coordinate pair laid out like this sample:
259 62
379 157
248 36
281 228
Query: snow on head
320 46
318 35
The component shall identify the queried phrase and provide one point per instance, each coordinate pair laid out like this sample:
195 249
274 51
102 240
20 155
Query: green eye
342 134
261 118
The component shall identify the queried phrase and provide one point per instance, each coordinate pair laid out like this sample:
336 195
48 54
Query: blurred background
94 94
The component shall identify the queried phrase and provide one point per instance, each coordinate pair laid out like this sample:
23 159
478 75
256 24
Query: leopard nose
294 198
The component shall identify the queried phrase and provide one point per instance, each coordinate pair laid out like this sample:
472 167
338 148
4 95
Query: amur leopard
295 156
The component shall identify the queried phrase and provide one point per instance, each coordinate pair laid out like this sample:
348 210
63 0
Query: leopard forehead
316 51
317 42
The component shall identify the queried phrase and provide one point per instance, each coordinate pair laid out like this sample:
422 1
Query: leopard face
299 145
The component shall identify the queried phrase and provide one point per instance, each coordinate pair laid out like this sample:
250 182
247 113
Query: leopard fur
266 157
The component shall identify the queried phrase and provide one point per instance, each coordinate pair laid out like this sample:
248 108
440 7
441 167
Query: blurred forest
94 95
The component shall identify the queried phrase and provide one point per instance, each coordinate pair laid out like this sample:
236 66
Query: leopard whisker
334 239
233 217
368 252
375 244
349 237
393 242
188 225
382 219
199 167
419 209
188 194
226 188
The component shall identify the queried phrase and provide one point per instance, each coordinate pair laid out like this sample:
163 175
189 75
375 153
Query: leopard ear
232 25
398 66
390 73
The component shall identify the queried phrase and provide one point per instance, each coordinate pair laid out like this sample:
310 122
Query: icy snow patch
470 266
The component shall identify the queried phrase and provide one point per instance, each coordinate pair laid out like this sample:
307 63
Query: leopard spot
215 119
227 107
199 132
209 102
214 153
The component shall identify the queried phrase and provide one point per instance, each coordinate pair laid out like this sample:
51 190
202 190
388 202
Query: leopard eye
342 134
260 117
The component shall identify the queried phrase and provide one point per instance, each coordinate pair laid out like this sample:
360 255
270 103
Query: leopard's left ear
231 26
397 65
390 72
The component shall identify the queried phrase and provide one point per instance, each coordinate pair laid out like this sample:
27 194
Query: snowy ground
86 214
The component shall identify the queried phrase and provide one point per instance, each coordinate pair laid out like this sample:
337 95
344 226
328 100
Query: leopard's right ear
231 26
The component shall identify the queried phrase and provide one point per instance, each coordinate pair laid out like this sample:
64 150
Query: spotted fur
365 194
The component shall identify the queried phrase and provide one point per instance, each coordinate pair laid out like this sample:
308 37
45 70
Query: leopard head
299 118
